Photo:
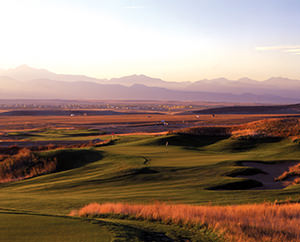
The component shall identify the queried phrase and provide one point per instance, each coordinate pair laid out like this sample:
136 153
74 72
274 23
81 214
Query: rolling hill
192 170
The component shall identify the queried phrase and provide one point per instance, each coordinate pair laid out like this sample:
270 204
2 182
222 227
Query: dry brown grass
288 127
256 222
205 131
15 123
273 127
293 174
24 164
17 163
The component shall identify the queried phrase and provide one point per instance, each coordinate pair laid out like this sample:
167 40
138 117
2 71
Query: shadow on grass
242 144
70 158
248 143
189 141
237 185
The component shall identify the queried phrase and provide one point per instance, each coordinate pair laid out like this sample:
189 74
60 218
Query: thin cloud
278 47
290 49
135 7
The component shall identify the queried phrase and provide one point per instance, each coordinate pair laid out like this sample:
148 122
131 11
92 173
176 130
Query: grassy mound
183 140
293 175
244 171
242 143
269 128
26 163
285 127
71 158
238 185
206 131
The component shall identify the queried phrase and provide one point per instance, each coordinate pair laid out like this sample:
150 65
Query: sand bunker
272 171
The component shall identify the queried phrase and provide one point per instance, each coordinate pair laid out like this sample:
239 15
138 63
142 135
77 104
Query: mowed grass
27 227
143 169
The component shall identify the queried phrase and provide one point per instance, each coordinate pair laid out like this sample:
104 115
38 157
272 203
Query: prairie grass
292 174
288 127
255 222
24 164
205 131
20 163
277 127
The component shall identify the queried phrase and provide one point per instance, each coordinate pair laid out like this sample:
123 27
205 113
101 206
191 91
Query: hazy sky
177 40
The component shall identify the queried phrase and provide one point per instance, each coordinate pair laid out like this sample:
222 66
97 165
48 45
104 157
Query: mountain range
28 82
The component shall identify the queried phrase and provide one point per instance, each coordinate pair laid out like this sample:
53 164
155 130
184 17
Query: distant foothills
26 82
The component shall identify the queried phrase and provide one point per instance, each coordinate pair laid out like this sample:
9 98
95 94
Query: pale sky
176 40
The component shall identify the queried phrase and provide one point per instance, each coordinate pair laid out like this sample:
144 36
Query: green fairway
26 227
143 169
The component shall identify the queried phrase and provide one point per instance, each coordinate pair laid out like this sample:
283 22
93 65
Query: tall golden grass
205 131
256 222
277 127
282 127
293 175
24 164
17 163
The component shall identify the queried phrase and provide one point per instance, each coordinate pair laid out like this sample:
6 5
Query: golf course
165 169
